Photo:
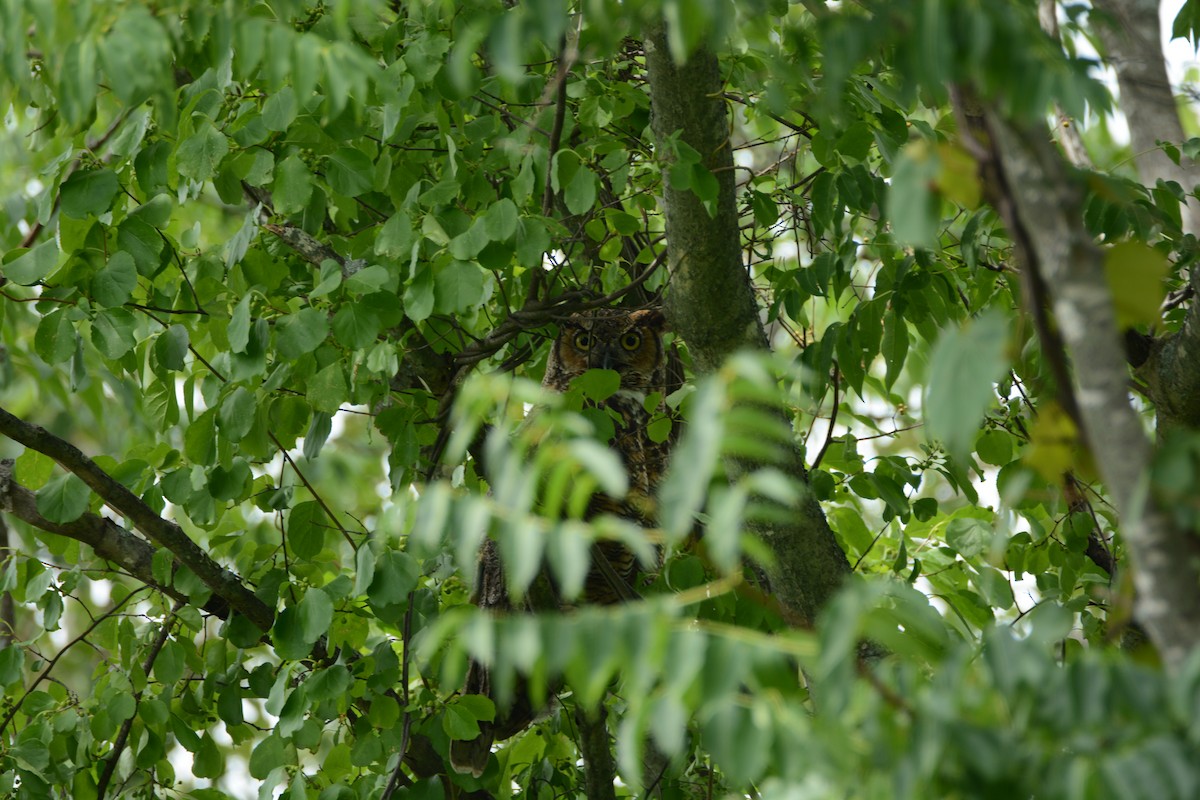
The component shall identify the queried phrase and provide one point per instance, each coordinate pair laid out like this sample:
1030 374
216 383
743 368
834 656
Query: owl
629 343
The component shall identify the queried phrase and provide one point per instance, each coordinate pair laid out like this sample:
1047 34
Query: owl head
629 342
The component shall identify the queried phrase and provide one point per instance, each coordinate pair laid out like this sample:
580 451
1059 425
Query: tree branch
108 539
161 531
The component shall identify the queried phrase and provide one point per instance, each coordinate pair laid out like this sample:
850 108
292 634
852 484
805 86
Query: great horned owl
630 343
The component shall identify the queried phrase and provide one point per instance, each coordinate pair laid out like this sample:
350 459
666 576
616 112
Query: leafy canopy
252 254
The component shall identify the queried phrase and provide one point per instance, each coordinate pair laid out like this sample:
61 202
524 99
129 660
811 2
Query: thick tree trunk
711 303
1041 204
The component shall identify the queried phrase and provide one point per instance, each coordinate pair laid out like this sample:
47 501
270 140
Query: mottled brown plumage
630 343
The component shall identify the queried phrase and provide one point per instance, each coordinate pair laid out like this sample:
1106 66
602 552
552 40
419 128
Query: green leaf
199 155
33 469
911 205
63 499
461 720
208 761
964 367
604 464
855 143
738 746
1136 274
199 439
349 172
995 447
500 220
239 325
364 570
136 55
293 186
969 536
328 390
1187 22
307 525
143 242
114 283
330 279
55 339
77 84
396 574
113 332
229 483
171 347
300 333
315 615
266 756
686 484
170 662
848 523
236 414
894 345
356 326
419 297
396 237
89 193
467 244
580 193
280 109
458 287
33 265
369 280
597 384
12 665
329 683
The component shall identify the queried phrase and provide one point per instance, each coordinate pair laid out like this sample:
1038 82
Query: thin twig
832 419
312 490
398 774
123 736
45 673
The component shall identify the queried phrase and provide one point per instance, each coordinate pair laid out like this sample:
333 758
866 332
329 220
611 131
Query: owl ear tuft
652 318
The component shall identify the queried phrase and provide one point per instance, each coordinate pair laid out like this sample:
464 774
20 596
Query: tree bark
711 302
1041 204
599 769
1132 37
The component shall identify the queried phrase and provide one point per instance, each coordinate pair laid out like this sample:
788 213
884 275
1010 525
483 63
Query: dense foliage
284 272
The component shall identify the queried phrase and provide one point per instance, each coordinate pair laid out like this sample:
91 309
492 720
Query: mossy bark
711 303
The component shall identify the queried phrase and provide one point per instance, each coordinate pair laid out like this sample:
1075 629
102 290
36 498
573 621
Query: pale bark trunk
1042 206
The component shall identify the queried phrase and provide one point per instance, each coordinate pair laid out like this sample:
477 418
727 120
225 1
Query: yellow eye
583 340
631 341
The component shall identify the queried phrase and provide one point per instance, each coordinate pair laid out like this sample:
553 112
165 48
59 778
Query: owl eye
583 340
631 341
